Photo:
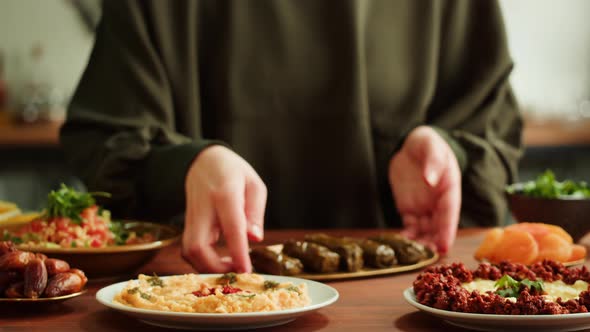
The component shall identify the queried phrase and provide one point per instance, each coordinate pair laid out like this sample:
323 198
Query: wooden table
371 304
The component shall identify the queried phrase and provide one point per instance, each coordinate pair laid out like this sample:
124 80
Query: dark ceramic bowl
573 215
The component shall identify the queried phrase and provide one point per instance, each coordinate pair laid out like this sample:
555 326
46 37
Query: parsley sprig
508 287
228 278
69 203
155 280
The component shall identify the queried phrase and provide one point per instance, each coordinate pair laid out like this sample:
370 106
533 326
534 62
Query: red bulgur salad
72 219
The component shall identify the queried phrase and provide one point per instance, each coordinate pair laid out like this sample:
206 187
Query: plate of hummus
217 301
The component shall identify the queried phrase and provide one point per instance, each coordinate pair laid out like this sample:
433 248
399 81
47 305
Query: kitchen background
44 46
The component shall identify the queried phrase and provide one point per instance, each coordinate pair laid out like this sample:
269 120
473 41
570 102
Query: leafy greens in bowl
547 186
547 200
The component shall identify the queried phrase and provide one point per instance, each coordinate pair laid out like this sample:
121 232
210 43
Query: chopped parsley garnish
508 287
69 203
294 289
228 278
136 290
270 284
155 281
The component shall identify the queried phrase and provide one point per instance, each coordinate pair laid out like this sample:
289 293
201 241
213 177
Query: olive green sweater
316 95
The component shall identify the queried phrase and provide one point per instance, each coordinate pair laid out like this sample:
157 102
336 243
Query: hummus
230 293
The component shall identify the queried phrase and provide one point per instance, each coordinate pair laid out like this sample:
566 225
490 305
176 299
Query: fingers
198 239
255 203
446 218
229 204
411 227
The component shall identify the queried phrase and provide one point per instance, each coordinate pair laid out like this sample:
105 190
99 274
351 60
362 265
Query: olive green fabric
316 95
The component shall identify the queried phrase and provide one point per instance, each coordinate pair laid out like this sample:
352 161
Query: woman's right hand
224 196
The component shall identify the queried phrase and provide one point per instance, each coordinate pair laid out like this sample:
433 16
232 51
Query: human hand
224 195
426 183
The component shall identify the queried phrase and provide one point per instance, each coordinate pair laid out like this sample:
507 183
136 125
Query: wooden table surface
369 304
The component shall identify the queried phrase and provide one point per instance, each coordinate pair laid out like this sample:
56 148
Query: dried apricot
488 246
578 252
516 246
554 247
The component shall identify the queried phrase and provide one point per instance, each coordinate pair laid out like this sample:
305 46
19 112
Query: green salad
546 186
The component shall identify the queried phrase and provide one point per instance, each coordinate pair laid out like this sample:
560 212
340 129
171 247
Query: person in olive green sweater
250 115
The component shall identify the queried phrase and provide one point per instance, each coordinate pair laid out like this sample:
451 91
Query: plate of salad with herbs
73 226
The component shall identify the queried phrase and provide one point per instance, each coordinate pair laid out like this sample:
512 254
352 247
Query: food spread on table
228 293
317 254
25 274
543 288
72 219
528 243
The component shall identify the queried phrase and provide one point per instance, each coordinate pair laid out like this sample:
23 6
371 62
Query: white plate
321 295
489 322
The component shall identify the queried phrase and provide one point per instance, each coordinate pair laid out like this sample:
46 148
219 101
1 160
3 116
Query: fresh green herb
7 236
228 278
69 203
547 186
145 296
136 290
536 285
270 284
155 281
294 289
508 287
121 234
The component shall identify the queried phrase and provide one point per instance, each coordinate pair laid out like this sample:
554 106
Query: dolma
266 260
406 251
375 254
351 254
315 257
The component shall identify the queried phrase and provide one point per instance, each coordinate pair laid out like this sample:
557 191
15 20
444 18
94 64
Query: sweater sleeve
474 109
120 134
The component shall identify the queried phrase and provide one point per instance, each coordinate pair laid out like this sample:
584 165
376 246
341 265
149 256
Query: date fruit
35 278
63 284
55 266
6 247
15 260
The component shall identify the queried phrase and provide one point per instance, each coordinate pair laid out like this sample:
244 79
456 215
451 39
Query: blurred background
44 46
